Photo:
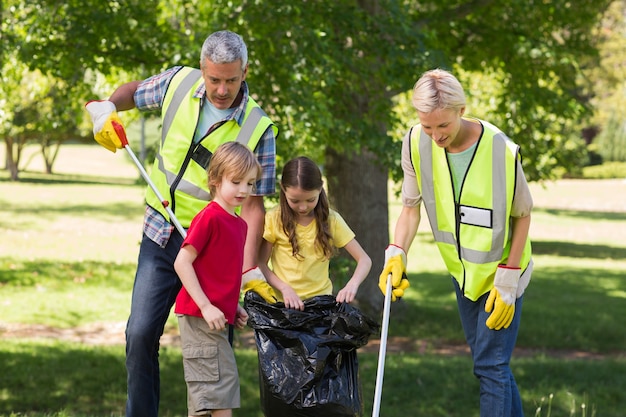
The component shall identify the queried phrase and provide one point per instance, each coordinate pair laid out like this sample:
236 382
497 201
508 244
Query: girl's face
442 126
302 202
231 192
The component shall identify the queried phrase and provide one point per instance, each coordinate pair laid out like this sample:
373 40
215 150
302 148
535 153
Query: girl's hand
348 293
291 299
241 318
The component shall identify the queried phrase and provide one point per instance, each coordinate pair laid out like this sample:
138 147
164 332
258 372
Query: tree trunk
50 151
11 162
357 189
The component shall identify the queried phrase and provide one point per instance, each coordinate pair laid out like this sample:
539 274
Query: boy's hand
214 317
241 318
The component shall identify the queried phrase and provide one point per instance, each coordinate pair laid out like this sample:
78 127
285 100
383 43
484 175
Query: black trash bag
308 364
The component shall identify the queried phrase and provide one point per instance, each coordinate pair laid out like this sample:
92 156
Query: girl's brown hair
303 173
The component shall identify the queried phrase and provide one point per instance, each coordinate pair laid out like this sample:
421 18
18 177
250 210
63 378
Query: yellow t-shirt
307 274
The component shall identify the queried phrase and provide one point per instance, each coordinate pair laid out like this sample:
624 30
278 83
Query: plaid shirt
149 96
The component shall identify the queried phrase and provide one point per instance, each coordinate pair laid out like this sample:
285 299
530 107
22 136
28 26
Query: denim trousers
154 293
491 354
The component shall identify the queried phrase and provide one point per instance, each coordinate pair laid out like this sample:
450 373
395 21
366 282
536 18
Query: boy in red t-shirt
209 265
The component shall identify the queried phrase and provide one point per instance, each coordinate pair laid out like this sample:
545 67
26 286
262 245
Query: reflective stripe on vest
473 236
179 169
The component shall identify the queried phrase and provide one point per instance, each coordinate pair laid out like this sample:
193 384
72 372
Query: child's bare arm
363 265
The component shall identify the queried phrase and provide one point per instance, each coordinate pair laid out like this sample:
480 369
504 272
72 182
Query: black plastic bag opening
308 362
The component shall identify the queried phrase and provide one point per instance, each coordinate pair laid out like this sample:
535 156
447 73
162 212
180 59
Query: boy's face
231 192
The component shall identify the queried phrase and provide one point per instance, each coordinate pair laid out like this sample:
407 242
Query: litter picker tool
382 350
121 133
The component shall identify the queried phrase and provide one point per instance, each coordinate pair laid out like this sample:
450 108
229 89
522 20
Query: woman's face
442 125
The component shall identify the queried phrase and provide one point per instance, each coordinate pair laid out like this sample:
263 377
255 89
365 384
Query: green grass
59 378
61 294
67 259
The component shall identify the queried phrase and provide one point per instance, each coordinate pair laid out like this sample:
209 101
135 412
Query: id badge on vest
475 216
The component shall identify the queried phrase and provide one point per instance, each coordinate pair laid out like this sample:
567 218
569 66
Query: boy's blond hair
233 160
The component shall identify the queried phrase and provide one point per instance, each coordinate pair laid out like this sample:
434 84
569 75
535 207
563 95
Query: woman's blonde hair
232 160
438 89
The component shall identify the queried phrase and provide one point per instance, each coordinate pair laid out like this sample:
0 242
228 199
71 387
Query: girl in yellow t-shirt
301 235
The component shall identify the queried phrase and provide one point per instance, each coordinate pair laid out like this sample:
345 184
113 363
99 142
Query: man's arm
123 96
253 212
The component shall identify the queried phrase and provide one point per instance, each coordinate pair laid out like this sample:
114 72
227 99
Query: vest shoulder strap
189 81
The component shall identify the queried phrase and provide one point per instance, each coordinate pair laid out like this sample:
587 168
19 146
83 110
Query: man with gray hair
200 109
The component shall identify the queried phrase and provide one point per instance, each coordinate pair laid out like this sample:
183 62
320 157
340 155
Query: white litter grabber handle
382 351
165 203
121 133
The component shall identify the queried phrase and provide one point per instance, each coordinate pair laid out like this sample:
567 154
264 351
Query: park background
336 76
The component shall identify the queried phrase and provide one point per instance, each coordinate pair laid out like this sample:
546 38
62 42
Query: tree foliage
329 69
608 73
331 73
56 54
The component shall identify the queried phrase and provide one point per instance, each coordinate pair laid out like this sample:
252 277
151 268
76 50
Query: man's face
222 82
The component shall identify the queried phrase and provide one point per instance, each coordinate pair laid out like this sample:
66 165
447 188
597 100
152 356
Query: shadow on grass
579 387
105 212
38 178
578 250
588 215
42 377
22 273
577 309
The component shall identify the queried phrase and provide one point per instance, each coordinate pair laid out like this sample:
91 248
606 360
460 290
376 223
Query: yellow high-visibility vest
473 236
179 170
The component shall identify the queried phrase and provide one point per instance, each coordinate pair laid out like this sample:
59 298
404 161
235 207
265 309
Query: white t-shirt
208 117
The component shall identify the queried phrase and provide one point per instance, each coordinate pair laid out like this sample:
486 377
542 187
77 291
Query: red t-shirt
219 238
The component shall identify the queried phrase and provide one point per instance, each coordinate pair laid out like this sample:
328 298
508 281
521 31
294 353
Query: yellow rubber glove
104 117
395 269
254 280
502 297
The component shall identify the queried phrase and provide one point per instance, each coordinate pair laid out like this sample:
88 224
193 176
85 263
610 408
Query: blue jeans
154 292
491 354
